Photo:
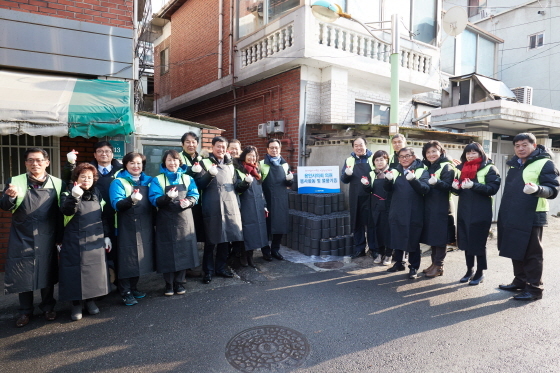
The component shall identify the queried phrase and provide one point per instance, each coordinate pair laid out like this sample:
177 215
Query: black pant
126 285
46 305
480 260
176 278
208 265
413 258
360 232
274 245
528 272
438 254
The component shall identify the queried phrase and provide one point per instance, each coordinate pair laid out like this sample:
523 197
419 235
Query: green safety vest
186 160
351 161
480 174
418 172
438 172
68 218
162 178
531 174
128 188
208 163
265 169
20 182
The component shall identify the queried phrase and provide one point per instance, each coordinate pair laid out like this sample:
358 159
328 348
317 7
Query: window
418 18
475 6
366 113
468 53
12 148
164 61
536 40
253 14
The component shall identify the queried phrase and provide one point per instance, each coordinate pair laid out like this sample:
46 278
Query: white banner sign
318 179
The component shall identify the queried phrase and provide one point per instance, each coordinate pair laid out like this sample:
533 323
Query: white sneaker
76 313
377 259
387 261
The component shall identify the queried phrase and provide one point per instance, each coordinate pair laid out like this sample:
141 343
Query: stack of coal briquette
319 225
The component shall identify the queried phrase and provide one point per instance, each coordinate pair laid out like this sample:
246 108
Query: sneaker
91 307
413 273
76 313
138 294
169 290
180 290
129 300
387 261
396 268
377 259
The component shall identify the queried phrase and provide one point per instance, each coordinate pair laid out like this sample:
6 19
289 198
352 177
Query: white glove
196 168
136 196
389 175
266 212
185 203
289 176
530 188
59 247
77 191
172 193
433 180
348 171
72 156
249 179
456 184
411 175
365 180
213 170
108 244
467 184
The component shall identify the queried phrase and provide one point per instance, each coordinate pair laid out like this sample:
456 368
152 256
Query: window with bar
12 148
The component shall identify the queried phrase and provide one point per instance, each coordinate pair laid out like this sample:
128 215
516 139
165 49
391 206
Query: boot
250 263
243 259
429 268
435 271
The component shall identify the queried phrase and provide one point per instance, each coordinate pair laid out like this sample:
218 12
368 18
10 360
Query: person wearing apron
174 193
135 226
83 267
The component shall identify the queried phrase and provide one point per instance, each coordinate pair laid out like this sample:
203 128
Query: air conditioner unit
524 94
263 130
276 126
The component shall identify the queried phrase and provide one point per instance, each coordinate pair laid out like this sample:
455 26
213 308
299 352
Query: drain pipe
303 113
220 37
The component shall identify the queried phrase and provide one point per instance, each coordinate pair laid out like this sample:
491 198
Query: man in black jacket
531 180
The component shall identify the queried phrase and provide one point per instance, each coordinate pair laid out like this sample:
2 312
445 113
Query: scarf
252 169
470 169
274 160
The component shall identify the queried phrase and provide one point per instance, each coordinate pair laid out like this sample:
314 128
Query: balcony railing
275 42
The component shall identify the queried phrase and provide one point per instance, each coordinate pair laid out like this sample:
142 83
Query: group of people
399 202
106 211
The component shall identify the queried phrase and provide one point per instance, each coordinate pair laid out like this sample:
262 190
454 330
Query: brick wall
275 98
104 12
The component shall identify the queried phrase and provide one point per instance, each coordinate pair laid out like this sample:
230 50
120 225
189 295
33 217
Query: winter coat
358 199
196 209
406 215
220 207
518 211
252 205
275 190
474 211
436 203
380 203
176 247
31 260
135 225
83 269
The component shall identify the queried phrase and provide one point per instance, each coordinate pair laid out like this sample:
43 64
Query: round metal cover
268 348
329 265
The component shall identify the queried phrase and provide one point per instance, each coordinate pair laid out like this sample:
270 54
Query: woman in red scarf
252 202
478 182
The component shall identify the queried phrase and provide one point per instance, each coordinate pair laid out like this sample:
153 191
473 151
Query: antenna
455 21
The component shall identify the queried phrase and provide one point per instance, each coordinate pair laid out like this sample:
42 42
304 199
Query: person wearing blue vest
216 179
277 178
408 183
357 166
478 181
531 179
37 226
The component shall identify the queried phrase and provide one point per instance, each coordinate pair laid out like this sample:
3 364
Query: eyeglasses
104 151
406 156
38 161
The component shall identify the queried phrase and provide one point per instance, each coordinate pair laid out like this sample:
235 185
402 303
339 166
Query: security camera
541 12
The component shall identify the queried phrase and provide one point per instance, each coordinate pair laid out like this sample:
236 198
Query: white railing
275 42
337 37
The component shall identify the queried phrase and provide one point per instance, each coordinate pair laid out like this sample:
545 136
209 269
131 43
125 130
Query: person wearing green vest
190 157
478 181
36 229
357 166
436 204
398 142
408 183
531 179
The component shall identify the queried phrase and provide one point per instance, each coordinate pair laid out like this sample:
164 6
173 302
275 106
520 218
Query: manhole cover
329 265
267 348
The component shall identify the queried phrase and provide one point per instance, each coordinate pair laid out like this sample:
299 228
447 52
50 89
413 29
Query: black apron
83 270
176 247
31 261
358 199
135 237
253 217
380 214
276 195
436 212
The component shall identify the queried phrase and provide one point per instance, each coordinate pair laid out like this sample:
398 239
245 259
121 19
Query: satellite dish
455 21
